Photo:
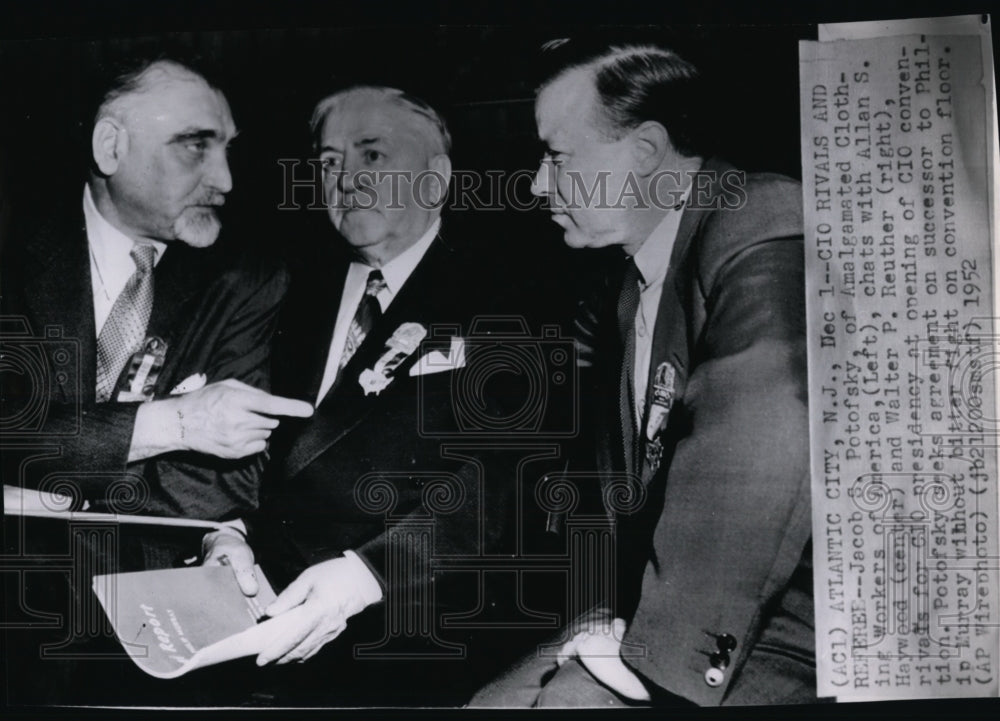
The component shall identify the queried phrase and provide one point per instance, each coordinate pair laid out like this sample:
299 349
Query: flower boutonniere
398 348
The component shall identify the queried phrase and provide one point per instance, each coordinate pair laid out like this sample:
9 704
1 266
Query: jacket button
713 677
719 660
726 642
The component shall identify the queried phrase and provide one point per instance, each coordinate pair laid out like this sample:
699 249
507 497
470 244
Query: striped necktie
367 315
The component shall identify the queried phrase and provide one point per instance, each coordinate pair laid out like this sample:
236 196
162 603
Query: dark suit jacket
373 474
319 497
215 311
719 542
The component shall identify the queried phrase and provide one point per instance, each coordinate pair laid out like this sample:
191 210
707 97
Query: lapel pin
659 411
144 370
663 400
404 341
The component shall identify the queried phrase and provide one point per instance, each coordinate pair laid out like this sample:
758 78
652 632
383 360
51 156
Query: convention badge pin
144 370
398 348
654 452
663 399
403 344
373 382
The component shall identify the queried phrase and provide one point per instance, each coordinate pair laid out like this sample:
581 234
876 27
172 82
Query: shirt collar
397 270
106 241
653 256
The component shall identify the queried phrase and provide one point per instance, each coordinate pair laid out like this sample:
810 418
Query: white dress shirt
111 264
652 259
395 273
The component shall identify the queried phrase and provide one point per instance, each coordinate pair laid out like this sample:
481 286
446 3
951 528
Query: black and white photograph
389 358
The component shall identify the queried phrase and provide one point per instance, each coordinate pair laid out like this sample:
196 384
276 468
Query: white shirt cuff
368 586
236 524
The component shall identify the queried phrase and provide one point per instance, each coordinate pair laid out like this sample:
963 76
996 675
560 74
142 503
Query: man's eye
330 165
373 156
196 146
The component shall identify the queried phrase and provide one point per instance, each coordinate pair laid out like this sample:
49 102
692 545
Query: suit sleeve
49 439
735 515
88 456
84 438
199 486
470 510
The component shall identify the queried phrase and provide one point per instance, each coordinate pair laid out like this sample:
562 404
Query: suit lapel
181 272
60 295
325 303
669 346
346 404
670 336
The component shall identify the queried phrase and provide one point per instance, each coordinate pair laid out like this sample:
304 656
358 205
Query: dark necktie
125 328
628 304
365 318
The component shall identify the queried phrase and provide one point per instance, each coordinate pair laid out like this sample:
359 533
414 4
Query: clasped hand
598 648
321 599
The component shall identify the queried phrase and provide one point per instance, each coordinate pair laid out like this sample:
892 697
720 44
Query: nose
345 180
218 175
540 183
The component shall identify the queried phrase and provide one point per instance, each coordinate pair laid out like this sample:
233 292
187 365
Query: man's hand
322 598
229 548
228 419
598 649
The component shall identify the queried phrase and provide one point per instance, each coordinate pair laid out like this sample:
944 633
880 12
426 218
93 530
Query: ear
440 166
109 143
650 145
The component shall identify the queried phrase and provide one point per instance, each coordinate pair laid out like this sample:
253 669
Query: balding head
147 78
429 122
159 148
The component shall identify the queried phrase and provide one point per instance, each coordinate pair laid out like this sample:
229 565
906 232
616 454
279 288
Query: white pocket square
438 362
191 383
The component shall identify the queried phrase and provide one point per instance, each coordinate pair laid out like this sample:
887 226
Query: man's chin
575 239
360 228
199 229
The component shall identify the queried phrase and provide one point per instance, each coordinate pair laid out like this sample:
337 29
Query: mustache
215 200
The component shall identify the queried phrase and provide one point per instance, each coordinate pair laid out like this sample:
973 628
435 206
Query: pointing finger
279 406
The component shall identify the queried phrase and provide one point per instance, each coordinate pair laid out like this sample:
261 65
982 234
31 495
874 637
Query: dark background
273 68
473 60
476 62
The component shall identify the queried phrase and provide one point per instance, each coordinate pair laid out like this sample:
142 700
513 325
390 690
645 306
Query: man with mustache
153 365
162 407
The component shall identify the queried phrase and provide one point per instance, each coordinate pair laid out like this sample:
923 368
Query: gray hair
140 80
420 108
